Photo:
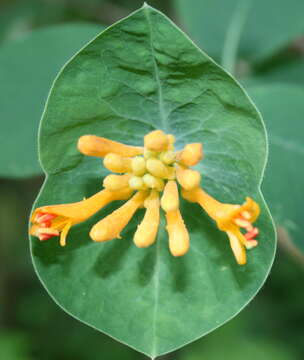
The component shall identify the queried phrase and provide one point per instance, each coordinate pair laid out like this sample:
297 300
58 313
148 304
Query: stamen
252 234
237 248
41 218
242 223
246 215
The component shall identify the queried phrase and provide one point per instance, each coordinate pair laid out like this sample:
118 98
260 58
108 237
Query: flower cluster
148 177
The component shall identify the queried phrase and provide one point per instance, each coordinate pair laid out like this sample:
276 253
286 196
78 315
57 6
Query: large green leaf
282 107
253 29
27 69
141 74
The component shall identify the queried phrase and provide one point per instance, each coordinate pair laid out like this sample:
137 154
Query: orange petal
92 145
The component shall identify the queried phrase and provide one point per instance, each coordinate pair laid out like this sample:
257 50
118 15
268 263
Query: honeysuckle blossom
230 218
148 177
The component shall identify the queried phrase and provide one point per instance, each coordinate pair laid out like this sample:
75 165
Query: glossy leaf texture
141 74
27 69
282 107
252 28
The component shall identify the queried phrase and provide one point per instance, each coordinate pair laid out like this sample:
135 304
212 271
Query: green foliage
252 29
232 342
27 68
141 74
14 346
282 107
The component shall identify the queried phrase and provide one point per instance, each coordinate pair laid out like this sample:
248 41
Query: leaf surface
27 69
252 28
141 74
283 108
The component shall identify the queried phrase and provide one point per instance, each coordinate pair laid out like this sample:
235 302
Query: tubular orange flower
146 232
150 170
111 226
230 218
92 145
54 220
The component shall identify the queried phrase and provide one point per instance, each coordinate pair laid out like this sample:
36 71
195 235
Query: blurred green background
32 326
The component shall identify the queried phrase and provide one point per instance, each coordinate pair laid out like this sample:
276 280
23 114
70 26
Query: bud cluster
157 165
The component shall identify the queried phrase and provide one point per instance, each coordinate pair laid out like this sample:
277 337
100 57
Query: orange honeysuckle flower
54 220
230 218
150 170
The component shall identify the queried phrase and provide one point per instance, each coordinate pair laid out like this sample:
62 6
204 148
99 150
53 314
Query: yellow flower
150 170
230 218
54 220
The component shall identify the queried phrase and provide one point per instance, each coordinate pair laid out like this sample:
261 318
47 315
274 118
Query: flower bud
171 141
117 163
157 168
153 182
169 200
138 166
167 157
146 232
188 179
116 182
191 154
178 234
156 141
137 183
